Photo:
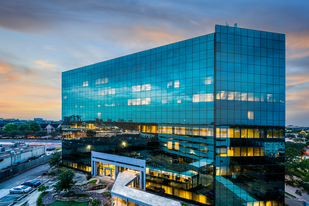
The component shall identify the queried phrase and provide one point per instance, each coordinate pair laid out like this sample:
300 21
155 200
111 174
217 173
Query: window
85 84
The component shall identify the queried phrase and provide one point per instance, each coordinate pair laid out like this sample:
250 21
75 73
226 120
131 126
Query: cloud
43 64
52 36
11 72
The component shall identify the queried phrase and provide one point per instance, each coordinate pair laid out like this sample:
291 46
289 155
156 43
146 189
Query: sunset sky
40 39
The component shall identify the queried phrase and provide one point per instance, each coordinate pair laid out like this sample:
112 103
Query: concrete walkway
291 190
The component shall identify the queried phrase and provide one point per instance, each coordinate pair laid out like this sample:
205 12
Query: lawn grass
290 194
39 200
59 203
92 181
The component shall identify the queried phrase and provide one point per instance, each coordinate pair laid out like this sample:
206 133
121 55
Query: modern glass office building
206 114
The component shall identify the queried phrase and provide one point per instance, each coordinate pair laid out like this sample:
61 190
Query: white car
20 189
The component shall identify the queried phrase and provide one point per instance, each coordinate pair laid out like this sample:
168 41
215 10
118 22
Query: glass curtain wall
156 105
250 116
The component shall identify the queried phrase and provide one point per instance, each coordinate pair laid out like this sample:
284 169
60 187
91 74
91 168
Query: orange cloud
155 35
26 93
5 68
24 110
293 79
298 41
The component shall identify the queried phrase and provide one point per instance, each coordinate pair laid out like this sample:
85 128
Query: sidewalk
291 190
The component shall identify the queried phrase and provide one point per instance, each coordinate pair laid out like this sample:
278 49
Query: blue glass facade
207 114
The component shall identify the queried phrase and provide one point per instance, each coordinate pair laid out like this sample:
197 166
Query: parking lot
35 173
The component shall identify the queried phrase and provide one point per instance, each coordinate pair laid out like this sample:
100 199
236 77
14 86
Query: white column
116 172
144 179
94 168
92 173
141 177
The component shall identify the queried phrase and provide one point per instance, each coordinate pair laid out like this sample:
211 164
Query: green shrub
96 202
51 173
43 188
39 200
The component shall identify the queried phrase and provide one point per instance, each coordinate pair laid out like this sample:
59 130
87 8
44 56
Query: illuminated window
109 105
203 97
136 88
256 133
269 98
169 145
223 95
244 133
102 92
208 80
237 96
111 91
146 101
250 115
64 97
134 102
101 81
169 84
85 84
250 97
99 115
244 96
176 145
196 98
176 84
231 133
146 87
250 133
231 96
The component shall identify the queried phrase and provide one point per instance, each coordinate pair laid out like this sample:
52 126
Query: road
5 186
298 201
48 143
29 175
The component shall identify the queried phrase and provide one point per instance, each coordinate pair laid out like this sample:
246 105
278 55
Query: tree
299 147
24 127
296 168
96 202
2 132
34 126
59 129
43 188
27 132
55 160
54 133
14 133
65 181
300 135
41 133
10 127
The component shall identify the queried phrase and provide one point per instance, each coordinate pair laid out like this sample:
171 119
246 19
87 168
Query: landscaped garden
67 192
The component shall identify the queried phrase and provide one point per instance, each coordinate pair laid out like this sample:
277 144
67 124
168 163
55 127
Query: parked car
50 148
306 204
32 183
20 189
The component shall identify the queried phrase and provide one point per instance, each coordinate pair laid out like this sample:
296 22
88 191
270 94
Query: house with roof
48 127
